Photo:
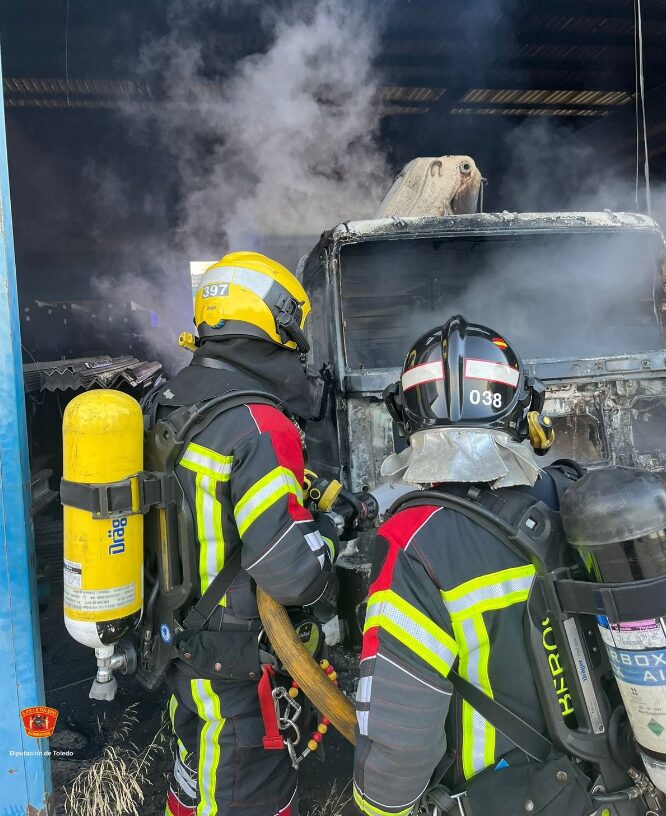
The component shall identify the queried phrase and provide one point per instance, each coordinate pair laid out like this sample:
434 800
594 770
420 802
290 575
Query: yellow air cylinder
103 558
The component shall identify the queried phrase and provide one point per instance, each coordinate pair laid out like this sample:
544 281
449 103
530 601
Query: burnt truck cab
579 295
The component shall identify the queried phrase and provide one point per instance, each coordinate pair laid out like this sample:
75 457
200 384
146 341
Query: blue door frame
24 770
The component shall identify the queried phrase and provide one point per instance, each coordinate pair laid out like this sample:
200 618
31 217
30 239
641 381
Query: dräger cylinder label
87 604
586 684
640 635
641 677
72 573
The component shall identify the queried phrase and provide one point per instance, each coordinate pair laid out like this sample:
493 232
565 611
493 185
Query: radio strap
272 739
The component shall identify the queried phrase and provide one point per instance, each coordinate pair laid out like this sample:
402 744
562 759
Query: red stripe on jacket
288 447
398 531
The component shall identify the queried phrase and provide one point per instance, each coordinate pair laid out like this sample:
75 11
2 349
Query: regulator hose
625 795
300 664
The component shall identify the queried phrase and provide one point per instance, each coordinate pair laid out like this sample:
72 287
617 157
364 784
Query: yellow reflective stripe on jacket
207 462
466 605
373 810
412 628
210 468
496 590
478 735
209 529
263 494
208 708
173 706
331 548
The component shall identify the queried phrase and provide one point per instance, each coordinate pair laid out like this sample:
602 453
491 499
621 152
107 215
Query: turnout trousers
221 767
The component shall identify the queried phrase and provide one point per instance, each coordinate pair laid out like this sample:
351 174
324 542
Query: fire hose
358 512
300 664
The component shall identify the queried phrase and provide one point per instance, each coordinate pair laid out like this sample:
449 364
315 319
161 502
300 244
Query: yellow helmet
248 294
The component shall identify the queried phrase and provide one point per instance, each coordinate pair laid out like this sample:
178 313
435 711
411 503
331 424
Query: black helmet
465 375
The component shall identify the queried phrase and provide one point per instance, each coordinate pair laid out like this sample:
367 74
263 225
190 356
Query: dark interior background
539 92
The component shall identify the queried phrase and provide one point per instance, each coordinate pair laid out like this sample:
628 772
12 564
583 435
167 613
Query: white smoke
550 167
286 142
279 144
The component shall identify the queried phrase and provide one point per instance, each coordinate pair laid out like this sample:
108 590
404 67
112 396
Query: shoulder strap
514 728
527 526
206 413
564 472
168 439
217 589
195 418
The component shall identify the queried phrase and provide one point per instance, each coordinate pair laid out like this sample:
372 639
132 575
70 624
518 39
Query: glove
327 525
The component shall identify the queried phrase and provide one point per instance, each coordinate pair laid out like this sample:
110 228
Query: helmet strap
287 324
392 400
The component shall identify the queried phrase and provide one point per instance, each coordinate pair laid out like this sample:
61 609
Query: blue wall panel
24 778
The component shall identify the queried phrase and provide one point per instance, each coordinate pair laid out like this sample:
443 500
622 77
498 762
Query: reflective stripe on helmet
420 374
490 371
250 279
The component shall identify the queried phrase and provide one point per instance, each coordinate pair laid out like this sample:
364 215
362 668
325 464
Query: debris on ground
120 780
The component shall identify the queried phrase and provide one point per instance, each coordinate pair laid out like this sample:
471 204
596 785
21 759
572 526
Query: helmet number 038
489 398
466 375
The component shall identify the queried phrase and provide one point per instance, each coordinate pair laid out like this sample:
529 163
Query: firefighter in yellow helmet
249 295
242 476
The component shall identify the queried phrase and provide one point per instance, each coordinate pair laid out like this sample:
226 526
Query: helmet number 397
489 398
215 290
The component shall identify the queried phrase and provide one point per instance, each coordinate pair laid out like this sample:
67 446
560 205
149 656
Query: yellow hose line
299 663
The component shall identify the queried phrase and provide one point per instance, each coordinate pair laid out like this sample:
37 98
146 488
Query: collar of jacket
240 363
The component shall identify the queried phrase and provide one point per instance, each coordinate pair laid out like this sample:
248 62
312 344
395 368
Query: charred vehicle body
581 293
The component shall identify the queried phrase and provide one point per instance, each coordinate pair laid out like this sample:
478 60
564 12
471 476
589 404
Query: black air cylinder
616 518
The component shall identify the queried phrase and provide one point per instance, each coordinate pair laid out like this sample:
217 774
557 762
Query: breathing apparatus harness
284 709
560 599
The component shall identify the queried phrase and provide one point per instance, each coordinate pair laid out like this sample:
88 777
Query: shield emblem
39 721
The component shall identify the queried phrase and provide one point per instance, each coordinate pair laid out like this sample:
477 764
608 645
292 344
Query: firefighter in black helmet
446 593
